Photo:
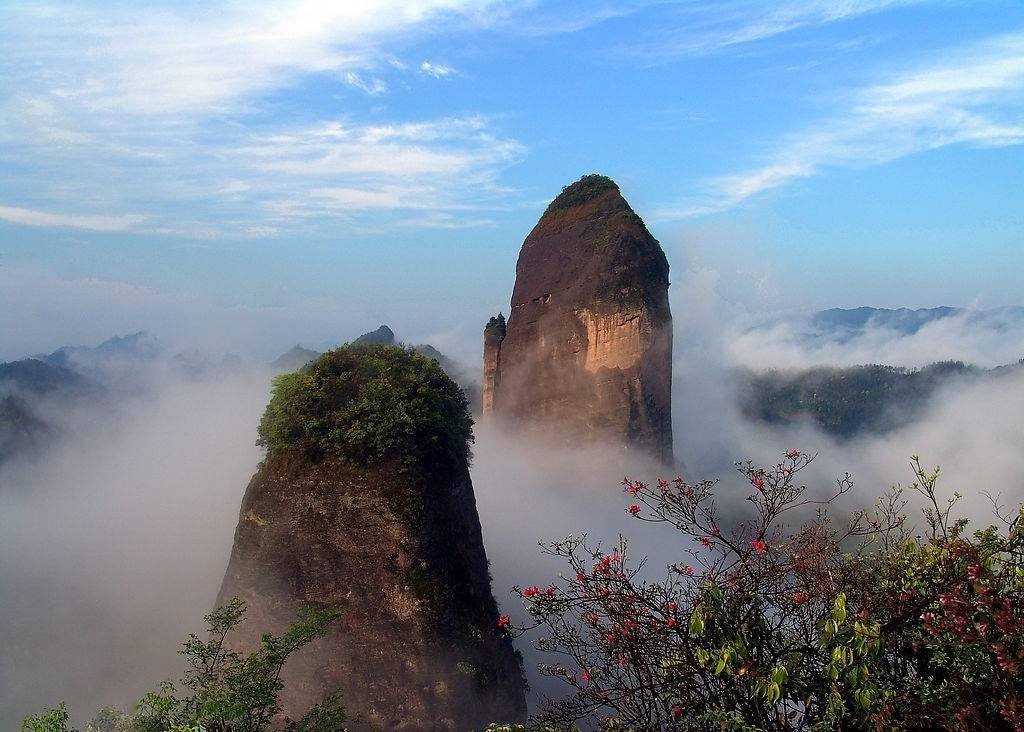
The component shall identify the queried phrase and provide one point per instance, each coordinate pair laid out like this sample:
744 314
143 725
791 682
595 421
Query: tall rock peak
365 502
494 334
587 349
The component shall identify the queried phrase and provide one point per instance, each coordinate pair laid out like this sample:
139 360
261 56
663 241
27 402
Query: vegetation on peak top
370 405
496 326
585 189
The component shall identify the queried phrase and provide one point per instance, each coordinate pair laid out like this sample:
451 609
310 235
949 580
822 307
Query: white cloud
438 71
156 61
31 217
165 110
974 96
969 337
373 87
703 28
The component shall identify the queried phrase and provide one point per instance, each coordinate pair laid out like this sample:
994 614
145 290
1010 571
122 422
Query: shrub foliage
369 404
222 690
586 188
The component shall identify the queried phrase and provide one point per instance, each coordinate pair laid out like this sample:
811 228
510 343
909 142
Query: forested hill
851 401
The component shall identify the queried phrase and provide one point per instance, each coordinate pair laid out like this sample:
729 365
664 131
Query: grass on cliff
369 405
583 190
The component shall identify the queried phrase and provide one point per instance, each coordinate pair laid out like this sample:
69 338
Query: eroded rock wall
417 647
587 352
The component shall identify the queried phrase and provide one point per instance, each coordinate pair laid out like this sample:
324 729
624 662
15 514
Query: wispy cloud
974 96
702 28
171 110
155 61
31 217
334 168
438 71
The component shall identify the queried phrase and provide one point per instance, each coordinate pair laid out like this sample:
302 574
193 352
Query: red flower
759 546
634 509
580 577
585 676
672 606
671 622
529 592
799 598
503 621
677 711
793 454
759 484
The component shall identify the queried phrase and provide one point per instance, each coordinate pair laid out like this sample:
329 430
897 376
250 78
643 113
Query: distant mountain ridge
38 393
845 323
297 356
113 354
25 428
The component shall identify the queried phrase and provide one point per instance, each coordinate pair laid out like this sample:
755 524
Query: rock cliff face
494 334
379 519
587 350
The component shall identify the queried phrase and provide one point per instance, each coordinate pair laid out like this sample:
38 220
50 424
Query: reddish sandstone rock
587 351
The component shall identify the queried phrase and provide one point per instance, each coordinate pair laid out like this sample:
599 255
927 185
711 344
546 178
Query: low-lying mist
113 543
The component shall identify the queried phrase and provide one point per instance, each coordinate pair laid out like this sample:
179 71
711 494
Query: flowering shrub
832 624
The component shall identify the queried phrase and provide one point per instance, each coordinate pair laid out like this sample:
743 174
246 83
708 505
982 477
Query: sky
251 175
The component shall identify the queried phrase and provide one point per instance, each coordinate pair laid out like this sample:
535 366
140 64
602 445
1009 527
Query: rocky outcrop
379 519
587 350
293 359
383 336
494 334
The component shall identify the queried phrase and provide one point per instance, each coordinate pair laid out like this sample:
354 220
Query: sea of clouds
114 541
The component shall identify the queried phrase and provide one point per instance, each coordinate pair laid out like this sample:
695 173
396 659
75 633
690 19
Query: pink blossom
503 621
529 592
634 509
759 546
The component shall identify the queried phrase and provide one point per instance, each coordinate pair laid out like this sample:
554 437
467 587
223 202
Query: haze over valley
482 365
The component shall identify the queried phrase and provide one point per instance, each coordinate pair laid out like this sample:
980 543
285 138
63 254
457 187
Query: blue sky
268 173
